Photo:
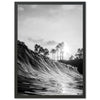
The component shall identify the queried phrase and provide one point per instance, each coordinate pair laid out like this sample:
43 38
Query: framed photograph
50 50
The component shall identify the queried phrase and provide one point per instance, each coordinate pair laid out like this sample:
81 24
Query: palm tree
61 45
36 48
79 54
41 50
57 50
46 52
71 57
53 51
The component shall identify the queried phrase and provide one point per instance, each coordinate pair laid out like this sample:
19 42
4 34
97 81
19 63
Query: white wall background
7 49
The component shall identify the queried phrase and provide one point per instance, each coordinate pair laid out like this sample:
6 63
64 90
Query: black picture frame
16 95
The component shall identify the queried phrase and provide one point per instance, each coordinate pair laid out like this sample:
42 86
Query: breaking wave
39 75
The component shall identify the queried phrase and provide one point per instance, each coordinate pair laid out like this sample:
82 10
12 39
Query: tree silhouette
71 57
57 50
79 54
61 45
36 48
46 52
41 50
53 51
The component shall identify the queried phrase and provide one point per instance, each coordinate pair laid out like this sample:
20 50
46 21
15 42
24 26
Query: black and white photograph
50 50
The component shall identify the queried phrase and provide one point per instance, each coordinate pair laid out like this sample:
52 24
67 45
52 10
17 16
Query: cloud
20 8
33 6
51 42
62 8
43 42
36 41
70 7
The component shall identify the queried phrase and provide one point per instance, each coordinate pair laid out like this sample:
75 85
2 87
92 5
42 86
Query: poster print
50 49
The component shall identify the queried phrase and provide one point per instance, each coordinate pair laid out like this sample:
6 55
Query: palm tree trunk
52 55
60 55
57 55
